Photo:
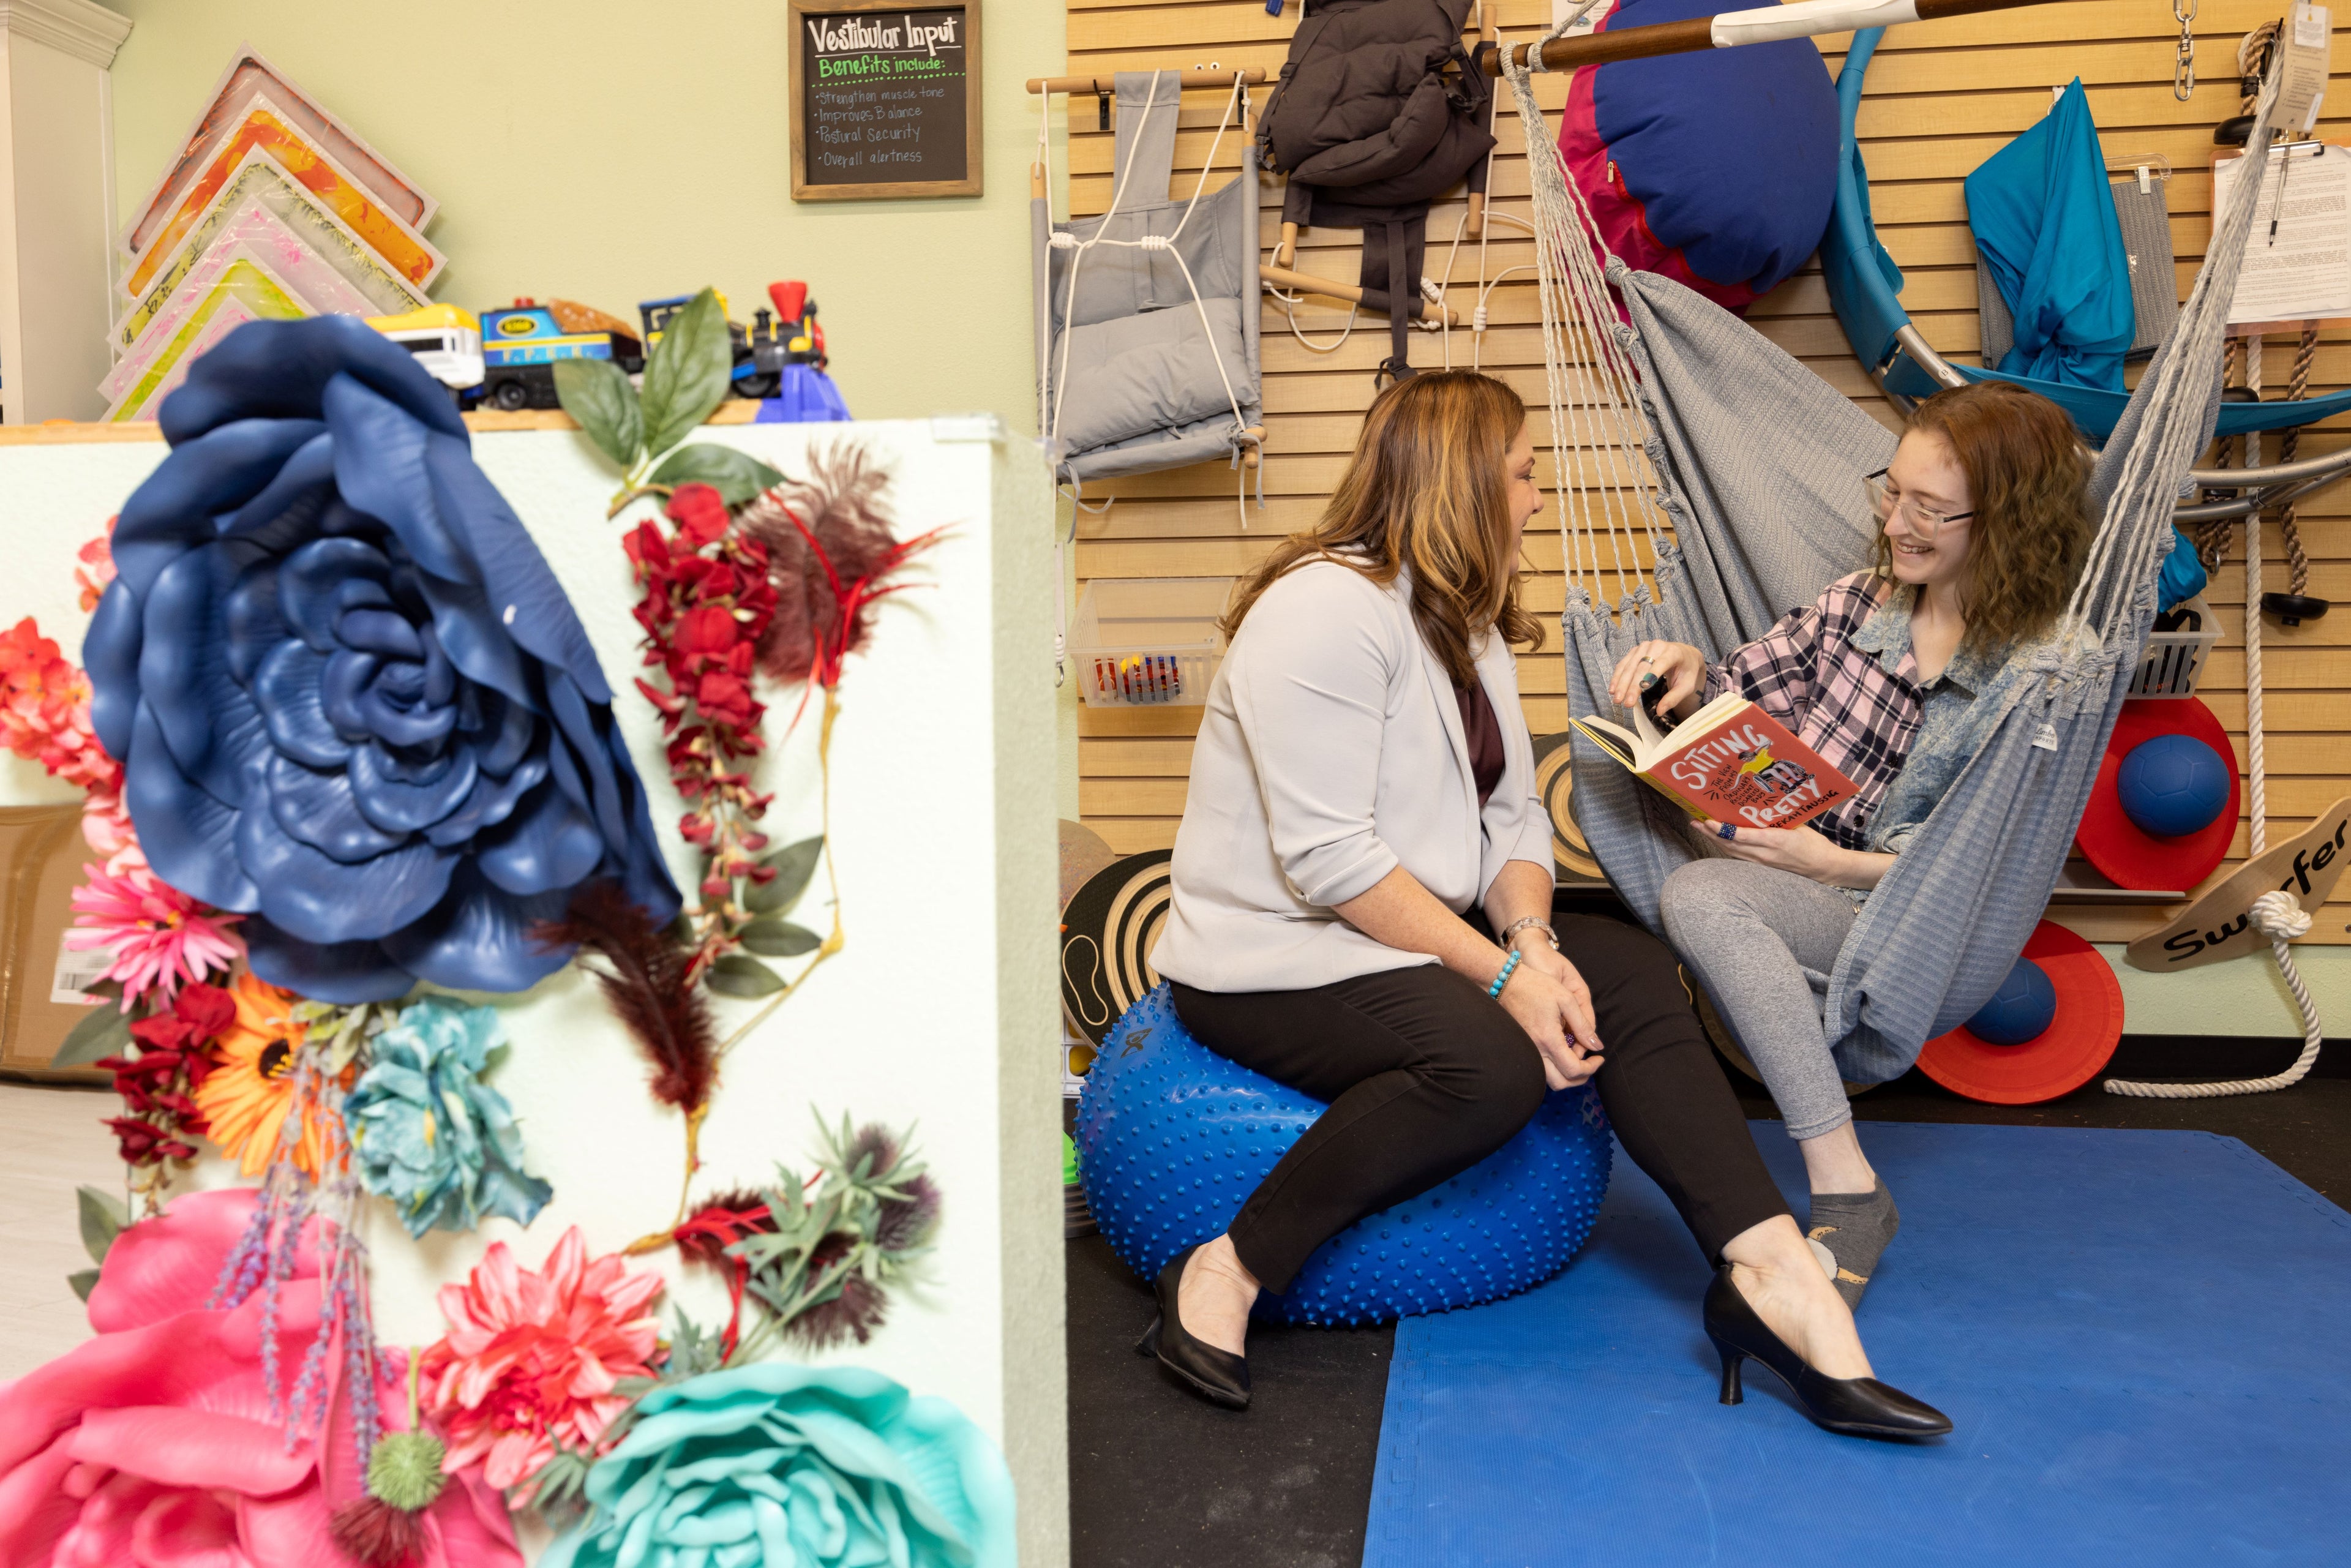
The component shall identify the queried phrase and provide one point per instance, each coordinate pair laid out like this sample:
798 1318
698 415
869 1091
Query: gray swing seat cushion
1151 372
2146 221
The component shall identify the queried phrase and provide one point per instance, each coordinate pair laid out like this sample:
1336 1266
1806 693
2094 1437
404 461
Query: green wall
614 151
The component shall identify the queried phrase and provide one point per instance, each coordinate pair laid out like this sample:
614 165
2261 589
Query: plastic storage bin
1148 641
2174 659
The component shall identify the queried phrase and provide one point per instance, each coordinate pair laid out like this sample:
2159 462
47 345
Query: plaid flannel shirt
1840 673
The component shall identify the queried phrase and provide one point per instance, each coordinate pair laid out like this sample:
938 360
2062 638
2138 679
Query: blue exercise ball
1172 1138
2172 786
2021 1009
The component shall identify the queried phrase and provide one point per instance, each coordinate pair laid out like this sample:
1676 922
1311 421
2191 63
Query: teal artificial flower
430 1137
777 1465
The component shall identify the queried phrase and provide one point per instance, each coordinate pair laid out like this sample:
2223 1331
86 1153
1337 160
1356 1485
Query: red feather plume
646 977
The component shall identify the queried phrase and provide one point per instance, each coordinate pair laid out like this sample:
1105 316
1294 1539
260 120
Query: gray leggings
1764 941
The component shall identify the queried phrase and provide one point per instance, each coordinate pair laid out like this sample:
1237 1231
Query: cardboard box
41 858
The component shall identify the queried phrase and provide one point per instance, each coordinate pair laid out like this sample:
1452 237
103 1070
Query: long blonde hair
1425 489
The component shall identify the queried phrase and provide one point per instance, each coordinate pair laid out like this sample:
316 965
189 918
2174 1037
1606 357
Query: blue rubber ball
1172 1138
2173 786
2021 1009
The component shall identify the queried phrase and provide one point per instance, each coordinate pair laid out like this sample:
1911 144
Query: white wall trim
82 28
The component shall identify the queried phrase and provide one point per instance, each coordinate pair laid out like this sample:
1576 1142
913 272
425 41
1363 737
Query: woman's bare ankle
1776 1272
1214 1296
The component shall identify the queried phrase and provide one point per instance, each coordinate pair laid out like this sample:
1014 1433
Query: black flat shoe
1217 1375
1859 1406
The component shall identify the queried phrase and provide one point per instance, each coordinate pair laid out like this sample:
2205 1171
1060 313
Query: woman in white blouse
1361 824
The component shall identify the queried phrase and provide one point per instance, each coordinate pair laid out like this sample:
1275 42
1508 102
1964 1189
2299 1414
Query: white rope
1594 436
2277 915
1063 240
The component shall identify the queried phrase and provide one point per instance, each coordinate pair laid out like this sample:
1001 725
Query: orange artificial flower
248 1094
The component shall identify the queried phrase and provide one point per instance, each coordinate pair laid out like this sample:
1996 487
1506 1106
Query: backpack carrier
1372 126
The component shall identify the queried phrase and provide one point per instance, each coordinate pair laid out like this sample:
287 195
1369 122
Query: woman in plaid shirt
1895 676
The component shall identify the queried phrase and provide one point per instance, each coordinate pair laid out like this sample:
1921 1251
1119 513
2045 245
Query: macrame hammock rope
1755 463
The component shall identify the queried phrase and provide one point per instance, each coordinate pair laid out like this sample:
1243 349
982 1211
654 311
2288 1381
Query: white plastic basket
2174 659
1148 641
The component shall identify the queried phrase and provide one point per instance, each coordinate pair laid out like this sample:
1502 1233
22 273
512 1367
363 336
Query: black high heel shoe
1860 1407
1217 1375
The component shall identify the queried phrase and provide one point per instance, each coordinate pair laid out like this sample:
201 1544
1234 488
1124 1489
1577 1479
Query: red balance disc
2124 853
2071 1050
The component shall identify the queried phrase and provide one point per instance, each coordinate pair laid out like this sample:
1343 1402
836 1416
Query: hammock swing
1762 513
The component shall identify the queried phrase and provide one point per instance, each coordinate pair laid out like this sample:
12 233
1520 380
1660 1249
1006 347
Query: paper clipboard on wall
2298 258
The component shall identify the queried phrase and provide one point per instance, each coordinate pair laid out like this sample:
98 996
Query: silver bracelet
1510 937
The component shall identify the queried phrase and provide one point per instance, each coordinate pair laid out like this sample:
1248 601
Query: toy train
506 359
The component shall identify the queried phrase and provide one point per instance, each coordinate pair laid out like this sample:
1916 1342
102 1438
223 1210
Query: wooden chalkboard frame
797 112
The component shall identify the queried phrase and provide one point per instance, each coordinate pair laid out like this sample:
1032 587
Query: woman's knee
1498 1075
1704 891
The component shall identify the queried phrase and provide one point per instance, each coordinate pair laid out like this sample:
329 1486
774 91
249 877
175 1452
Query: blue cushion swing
1172 1138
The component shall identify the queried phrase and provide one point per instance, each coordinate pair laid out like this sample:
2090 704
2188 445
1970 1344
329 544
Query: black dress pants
1425 1075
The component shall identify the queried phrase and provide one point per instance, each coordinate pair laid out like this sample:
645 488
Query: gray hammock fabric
1766 509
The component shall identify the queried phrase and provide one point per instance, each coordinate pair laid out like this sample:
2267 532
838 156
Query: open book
1731 761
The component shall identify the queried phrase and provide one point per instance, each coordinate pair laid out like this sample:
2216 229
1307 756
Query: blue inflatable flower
430 1136
353 701
776 1466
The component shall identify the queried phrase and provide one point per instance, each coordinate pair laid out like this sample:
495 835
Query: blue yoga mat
2140 1338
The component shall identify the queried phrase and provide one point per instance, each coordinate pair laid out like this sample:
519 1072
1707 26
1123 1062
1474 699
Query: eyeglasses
1884 500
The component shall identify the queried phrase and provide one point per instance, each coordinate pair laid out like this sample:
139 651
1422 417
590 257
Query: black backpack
1379 111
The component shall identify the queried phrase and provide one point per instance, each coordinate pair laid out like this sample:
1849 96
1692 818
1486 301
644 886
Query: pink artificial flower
98 555
106 828
44 710
161 937
531 1358
153 1444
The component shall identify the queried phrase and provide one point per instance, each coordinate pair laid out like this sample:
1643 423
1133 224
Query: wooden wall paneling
1943 96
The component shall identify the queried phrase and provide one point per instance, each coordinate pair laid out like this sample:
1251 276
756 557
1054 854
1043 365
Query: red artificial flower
699 512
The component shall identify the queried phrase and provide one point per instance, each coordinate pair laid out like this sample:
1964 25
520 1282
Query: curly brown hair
2032 528
1425 489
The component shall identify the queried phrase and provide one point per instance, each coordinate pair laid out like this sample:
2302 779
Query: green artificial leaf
779 940
103 1218
687 374
105 1032
681 930
794 866
83 1282
111 989
736 476
597 393
736 975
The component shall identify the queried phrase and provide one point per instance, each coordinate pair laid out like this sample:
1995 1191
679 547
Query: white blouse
1331 752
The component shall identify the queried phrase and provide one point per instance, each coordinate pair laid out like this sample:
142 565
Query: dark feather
844 504
644 977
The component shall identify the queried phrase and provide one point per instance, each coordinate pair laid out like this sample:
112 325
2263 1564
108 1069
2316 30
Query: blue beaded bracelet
1504 977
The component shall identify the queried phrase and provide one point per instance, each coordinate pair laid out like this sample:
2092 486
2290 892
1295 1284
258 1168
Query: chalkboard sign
888 101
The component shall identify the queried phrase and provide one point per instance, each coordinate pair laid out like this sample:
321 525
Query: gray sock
1855 1227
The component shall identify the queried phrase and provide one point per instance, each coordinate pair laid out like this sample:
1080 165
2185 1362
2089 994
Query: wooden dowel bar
1331 289
1697 33
1105 87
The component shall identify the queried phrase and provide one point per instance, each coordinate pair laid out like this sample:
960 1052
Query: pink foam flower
161 937
154 1442
532 1358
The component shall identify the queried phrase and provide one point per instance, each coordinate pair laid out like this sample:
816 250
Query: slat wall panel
1943 96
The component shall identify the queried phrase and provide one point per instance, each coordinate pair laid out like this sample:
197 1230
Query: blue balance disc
2172 786
2021 1009
1172 1138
